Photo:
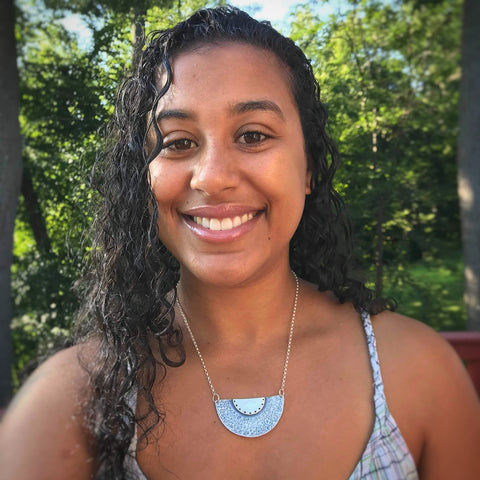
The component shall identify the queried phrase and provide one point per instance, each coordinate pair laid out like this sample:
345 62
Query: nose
215 169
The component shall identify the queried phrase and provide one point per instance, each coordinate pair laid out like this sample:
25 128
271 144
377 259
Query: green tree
60 113
390 74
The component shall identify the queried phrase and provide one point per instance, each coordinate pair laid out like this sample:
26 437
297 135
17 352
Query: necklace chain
216 396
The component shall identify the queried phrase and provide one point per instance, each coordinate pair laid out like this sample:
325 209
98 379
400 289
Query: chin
222 273
224 277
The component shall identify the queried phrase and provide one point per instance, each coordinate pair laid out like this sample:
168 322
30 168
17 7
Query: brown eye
180 144
252 137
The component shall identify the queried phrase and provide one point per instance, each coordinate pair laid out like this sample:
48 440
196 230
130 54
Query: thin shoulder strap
379 394
132 403
130 463
387 454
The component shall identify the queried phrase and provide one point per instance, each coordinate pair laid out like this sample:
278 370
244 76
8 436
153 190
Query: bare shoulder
43 433
431 396
414 348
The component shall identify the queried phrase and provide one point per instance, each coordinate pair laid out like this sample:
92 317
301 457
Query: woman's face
231 180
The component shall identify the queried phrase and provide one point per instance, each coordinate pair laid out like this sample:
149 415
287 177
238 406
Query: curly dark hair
127 292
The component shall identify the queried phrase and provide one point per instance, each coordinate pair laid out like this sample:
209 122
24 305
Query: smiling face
231 180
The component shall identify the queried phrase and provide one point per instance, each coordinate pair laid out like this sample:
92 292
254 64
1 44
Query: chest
326 423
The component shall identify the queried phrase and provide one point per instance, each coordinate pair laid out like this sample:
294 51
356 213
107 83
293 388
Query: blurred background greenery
389 72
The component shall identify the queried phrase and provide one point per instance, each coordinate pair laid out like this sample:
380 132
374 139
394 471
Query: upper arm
429 390
43 433
452 434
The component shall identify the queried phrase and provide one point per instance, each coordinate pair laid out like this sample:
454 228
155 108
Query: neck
253 311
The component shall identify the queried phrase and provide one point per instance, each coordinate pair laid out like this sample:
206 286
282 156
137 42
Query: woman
219 177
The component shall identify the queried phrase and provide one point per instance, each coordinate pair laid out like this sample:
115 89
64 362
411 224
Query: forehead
227 71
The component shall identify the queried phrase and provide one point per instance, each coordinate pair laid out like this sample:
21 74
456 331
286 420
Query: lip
220 212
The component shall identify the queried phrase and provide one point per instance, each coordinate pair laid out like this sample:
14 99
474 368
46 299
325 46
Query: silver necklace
248 417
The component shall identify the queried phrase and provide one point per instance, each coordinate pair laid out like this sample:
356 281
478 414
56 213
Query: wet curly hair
126 304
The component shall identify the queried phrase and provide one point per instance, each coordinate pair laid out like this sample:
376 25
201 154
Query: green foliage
431 290
100 7
390 73
162 17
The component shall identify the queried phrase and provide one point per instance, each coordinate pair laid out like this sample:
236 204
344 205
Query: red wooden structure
467 345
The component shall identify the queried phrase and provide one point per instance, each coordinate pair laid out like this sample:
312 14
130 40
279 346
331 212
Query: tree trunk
469 159
34 212
380 213
138 32
379 247
10 179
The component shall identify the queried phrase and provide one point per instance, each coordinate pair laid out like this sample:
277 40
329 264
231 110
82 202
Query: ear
308 180
308 176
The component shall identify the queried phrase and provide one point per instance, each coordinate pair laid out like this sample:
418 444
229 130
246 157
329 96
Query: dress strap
130 463
379 394
386 456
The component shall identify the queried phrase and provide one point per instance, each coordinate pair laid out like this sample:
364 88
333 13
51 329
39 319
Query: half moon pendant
250 417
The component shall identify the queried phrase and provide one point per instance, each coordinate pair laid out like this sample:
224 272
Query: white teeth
227 224
215 224
223 223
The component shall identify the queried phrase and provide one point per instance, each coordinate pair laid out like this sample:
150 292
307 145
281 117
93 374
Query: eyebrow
239 108
179 114
268 105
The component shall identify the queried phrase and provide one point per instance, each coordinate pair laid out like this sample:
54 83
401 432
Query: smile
223 224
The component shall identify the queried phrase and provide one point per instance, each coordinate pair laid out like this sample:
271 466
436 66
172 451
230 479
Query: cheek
293 174
296 188
164 190
166 183
287 186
